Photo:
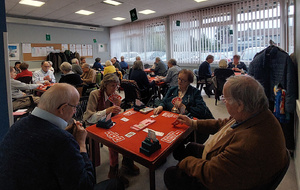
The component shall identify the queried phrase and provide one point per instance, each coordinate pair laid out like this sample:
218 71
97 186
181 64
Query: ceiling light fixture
84 12
198 1
111 2
32 3
119 18
147 11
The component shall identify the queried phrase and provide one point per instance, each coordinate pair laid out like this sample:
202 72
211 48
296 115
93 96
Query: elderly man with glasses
38 153
246 150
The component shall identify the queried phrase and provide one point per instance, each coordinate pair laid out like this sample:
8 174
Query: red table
130 146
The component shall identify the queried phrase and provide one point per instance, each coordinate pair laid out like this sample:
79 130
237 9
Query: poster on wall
102 48
90 50
26 48
13 52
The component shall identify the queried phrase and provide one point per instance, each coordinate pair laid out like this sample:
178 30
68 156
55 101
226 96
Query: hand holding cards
115 99
176 101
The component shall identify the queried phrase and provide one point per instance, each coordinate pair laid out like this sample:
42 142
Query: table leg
152 178
94 152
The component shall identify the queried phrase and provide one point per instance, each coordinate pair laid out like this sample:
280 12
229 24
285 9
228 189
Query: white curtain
146 39
243 28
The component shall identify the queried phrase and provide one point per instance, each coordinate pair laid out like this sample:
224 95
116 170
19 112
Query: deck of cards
114 136
171 136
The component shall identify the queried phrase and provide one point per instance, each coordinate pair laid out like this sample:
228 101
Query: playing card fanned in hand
176 99
112 98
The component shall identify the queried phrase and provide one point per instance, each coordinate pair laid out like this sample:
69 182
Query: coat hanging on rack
273 66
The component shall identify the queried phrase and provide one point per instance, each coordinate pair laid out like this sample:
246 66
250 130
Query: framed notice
13 52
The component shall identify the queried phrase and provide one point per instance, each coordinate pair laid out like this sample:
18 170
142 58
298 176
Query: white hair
108 63
74 61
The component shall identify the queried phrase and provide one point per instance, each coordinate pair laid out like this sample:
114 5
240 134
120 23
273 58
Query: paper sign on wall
102 47
26 48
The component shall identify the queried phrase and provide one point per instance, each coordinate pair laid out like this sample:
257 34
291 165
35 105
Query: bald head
113 60
58 95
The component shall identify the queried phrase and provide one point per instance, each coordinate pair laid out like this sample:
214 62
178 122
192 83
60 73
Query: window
146 39
243 28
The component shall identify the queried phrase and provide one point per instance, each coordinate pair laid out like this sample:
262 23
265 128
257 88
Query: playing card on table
166 114
129 113
176 122
118 139
153 116
171 136
130 134
124 119
112 135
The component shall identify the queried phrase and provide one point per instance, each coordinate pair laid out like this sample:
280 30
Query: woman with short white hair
109 68
68 75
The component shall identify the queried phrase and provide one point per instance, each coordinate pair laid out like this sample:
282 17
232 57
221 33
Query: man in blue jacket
204 74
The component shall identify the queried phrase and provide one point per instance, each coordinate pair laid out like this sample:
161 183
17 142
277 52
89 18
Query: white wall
297 53
24 33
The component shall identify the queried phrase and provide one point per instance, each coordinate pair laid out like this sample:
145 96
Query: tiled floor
142 180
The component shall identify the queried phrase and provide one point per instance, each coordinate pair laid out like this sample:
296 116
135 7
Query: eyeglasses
73 106
223 99
181 80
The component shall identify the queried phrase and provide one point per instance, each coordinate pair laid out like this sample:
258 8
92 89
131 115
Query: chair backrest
131 90
81 108
98 78
277 178
221 76
27 80
79 89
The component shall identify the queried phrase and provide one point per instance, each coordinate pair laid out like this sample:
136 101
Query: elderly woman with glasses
98 108
191 100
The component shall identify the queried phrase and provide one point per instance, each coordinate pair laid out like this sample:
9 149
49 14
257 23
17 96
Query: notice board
39 52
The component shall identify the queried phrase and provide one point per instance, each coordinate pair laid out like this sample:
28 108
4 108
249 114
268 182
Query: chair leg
201 86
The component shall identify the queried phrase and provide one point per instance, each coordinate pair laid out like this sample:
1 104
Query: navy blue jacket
36 154
192 100
204 70
97 66
123 65
272 66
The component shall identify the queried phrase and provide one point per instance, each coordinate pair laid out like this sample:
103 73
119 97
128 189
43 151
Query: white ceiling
64 10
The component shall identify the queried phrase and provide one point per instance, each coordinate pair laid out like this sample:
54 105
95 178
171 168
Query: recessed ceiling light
84 12
198 1
147 11
32 3
119 18
111 2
